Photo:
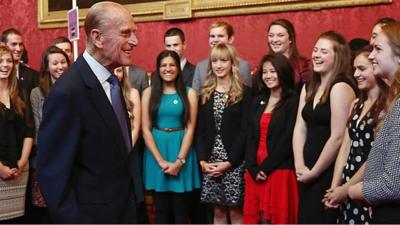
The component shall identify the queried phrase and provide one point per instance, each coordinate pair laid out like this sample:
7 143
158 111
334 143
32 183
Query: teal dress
169 144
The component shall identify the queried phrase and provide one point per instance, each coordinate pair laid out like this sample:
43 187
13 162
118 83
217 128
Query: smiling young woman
380 187
282 39
221 134
271 194
367 111
16 138
321 121
169 113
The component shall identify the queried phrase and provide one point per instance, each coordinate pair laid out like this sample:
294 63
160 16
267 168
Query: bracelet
203 165
182 160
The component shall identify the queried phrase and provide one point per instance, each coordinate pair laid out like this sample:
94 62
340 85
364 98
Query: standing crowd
301 140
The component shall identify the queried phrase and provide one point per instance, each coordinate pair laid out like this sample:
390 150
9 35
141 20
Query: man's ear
96 38
184 46
231 39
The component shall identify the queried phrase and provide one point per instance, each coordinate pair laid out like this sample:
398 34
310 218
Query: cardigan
381 186
233 128
279 135
14 128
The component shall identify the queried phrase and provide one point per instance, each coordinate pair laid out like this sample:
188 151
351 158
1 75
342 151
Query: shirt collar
99 70
183 62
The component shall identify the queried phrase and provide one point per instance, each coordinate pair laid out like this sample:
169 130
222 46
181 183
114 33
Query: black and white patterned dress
361 133
228 189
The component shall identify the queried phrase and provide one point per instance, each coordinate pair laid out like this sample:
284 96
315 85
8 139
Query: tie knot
113 80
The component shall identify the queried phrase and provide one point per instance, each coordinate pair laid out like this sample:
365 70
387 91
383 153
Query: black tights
171 207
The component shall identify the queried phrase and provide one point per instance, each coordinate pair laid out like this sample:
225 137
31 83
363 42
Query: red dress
274 200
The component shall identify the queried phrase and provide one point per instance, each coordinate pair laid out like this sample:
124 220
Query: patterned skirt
12 196
227 189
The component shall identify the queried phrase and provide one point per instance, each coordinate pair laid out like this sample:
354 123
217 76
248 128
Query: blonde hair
225 52
13 84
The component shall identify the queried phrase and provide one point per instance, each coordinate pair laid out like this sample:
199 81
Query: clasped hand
335 196
7 173
305 175
216 169
169 168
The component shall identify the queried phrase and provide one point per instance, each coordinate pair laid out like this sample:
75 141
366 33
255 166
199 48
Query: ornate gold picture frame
154 10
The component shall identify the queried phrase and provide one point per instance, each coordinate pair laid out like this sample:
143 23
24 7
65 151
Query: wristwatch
183 161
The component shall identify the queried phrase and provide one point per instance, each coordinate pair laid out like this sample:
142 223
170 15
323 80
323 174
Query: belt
170 129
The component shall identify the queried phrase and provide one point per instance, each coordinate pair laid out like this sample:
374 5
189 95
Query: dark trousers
199 213
171 207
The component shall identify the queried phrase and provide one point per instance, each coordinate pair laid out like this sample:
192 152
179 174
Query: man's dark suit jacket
233 129
83 164
188 72
28 79
279 135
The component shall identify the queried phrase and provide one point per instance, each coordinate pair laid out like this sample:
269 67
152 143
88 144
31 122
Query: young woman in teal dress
169 111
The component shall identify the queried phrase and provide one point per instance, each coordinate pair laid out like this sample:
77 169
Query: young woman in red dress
271 194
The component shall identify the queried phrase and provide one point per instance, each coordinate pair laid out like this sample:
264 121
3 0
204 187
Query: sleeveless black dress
318 121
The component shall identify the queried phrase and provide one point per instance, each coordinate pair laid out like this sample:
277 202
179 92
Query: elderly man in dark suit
84 146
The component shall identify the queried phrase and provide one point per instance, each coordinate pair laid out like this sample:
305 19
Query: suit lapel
104 108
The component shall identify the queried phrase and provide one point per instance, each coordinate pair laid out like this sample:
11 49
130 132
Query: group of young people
302 141
271 154
23 91
290 150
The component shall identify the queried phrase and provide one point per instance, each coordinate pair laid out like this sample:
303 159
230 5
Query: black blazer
279 136
83 164
188 72
233 129
28 79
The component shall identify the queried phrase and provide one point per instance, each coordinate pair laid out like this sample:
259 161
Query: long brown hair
392 32
341 66
380 103
15 98
227 52
45 83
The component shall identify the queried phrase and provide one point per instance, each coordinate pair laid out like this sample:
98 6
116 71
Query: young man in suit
219 32
84 147
27 77
174 40
64 44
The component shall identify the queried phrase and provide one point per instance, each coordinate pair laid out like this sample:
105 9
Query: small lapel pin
262 103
